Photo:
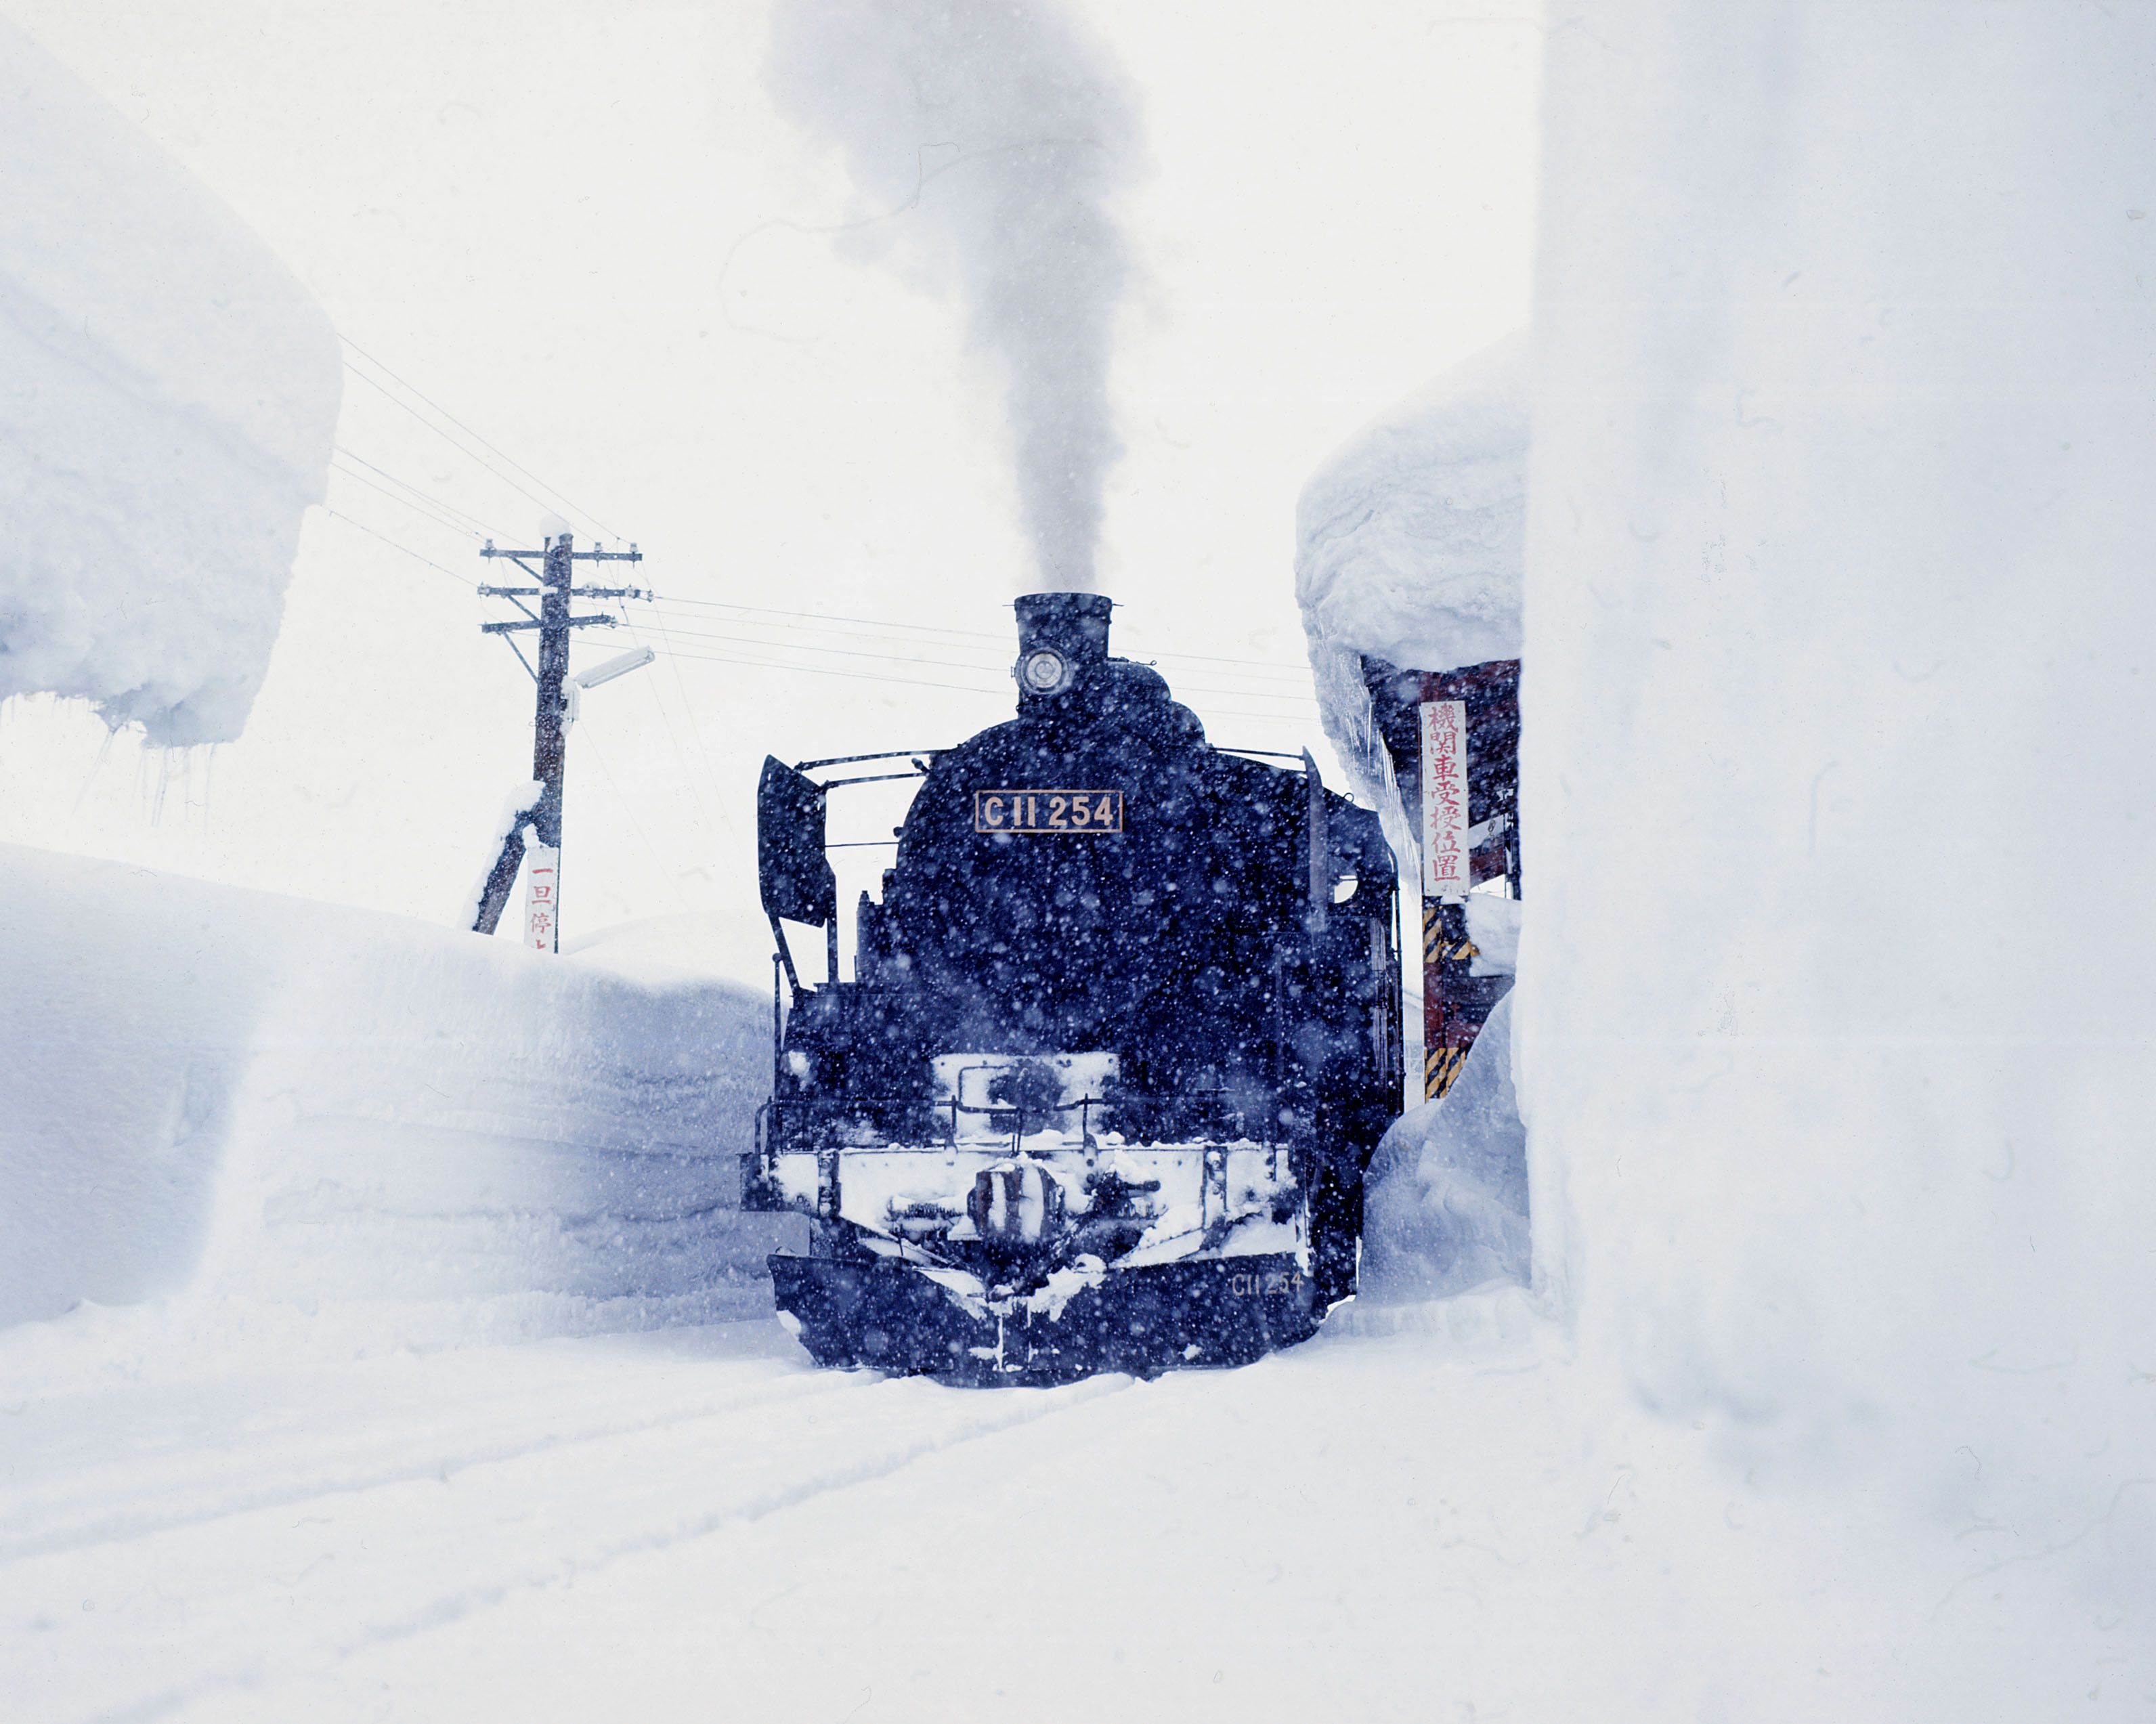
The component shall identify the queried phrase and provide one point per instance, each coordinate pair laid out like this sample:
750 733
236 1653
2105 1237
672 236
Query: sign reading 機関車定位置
1444 865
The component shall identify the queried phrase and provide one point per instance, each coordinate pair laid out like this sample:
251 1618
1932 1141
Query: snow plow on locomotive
1123 1031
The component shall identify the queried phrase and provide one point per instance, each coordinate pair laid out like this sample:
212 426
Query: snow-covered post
556 693
543 873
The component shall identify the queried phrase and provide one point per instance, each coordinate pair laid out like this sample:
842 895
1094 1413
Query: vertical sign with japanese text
542 920
1445 868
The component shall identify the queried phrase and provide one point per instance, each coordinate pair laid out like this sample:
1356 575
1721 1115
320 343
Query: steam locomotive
1123 1034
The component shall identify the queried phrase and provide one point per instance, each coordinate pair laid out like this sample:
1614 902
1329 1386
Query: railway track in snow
281 1539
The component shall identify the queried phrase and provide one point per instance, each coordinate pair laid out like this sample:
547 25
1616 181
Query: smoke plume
986 139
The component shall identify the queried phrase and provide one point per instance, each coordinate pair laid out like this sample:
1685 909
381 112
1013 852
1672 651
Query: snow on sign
1445 867
542 922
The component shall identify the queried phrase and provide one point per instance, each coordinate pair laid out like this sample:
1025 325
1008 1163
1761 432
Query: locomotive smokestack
1060 634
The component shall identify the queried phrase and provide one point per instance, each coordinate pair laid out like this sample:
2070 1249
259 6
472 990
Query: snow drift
1410 539
1838 614
169 395
269 1102
1446 1203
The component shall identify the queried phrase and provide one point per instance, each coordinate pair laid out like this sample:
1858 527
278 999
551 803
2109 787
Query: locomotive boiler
1123 1030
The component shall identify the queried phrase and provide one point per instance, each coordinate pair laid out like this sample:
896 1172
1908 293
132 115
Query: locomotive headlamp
1058 635
1044 671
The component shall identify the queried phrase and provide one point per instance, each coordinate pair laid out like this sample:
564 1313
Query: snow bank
1493 928
271 1103
1408 540
1445 1198
1838 606
1409 548
169 395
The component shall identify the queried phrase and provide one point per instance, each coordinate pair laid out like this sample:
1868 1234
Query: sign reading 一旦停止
542 915
1055 811
1445 867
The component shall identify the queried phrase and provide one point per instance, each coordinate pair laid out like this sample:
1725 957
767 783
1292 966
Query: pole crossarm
631 555
566 621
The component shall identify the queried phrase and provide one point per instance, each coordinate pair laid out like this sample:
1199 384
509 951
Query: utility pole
549 750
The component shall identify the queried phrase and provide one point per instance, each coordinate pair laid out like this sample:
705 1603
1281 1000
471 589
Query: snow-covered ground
1438 1521
420 1410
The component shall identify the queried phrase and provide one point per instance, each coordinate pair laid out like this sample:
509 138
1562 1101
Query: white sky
578 226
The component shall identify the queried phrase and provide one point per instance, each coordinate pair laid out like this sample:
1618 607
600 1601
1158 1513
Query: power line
695 730
418 508
996 662
1001 640
1253 664
817 671
336 515
629 807
827 617
529 495
754 618
479 524
561 497
1290 719
788 646
673 740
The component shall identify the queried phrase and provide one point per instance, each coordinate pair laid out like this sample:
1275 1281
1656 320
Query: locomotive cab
1123 1031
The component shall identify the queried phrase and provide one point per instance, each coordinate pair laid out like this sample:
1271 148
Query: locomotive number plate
1056 811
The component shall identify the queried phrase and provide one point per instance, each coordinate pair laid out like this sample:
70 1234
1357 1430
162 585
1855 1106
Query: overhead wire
1001 640
479 524
441 513
1281 718
339 515
673 741
562 499
786 646
598 754
727 604
819 671
529 495
418 508
753 614
696 729
1245 691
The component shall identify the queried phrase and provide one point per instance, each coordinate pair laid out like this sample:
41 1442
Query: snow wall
1837 1015
276 1108
168 396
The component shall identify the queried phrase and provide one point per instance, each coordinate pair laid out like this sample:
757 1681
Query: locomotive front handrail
847 760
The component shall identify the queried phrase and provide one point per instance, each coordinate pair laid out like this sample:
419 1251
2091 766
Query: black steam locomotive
1122 1036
